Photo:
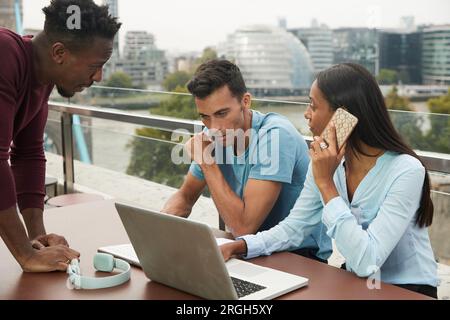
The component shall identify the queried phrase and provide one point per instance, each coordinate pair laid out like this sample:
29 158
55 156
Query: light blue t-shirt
276 152
376 232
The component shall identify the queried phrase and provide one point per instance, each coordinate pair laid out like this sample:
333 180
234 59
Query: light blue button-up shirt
376 232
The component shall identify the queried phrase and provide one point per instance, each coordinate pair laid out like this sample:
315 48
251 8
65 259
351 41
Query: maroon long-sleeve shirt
23 114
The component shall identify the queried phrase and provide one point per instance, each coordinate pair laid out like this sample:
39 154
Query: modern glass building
273 61
142 60
436 55
319 42
358 45
401 51
135 41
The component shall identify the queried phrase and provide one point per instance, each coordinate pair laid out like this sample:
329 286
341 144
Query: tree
151 151
440 104
439 134
151 158
119 80
207 55
176 79
411 124
408 124
387 76
179 105
396 102
181 78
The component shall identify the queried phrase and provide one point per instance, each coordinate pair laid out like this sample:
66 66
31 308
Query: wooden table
91 225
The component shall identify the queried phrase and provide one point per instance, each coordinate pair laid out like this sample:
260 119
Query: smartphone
344 122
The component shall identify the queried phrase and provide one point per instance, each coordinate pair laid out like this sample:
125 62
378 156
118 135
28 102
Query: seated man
254 164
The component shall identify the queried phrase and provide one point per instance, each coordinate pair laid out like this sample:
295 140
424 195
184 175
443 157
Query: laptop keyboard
244 288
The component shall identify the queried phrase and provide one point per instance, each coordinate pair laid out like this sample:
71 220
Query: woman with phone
372 193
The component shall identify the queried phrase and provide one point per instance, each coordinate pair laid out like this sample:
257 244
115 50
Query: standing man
76 42
259 164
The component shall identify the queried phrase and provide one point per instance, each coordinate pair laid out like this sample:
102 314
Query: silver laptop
183 254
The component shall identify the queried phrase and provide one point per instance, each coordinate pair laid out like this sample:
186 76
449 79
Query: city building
185 62
142 60
318 40
135 41
272 60
436 54
357 45
401 51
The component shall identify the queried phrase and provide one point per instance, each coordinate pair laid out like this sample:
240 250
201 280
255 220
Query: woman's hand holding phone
327 151
344 123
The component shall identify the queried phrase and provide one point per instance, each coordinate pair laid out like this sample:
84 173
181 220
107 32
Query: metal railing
67 111
434 161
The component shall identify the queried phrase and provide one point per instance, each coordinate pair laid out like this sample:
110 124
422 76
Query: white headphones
102 262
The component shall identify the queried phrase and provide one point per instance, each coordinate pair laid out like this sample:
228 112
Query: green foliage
439 135
181 78
387 76
176 79
411 126
177 106
441 104
208 54
396 102
151 158
119 80
151 151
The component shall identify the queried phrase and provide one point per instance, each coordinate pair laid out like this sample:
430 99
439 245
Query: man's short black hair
213 75
95 21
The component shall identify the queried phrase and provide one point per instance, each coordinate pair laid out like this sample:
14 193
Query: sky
183 25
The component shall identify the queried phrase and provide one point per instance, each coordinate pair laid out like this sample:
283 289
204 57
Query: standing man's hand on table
54 258
48 240
34 221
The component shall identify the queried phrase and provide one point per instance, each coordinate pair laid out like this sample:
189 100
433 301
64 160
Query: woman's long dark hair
352 86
